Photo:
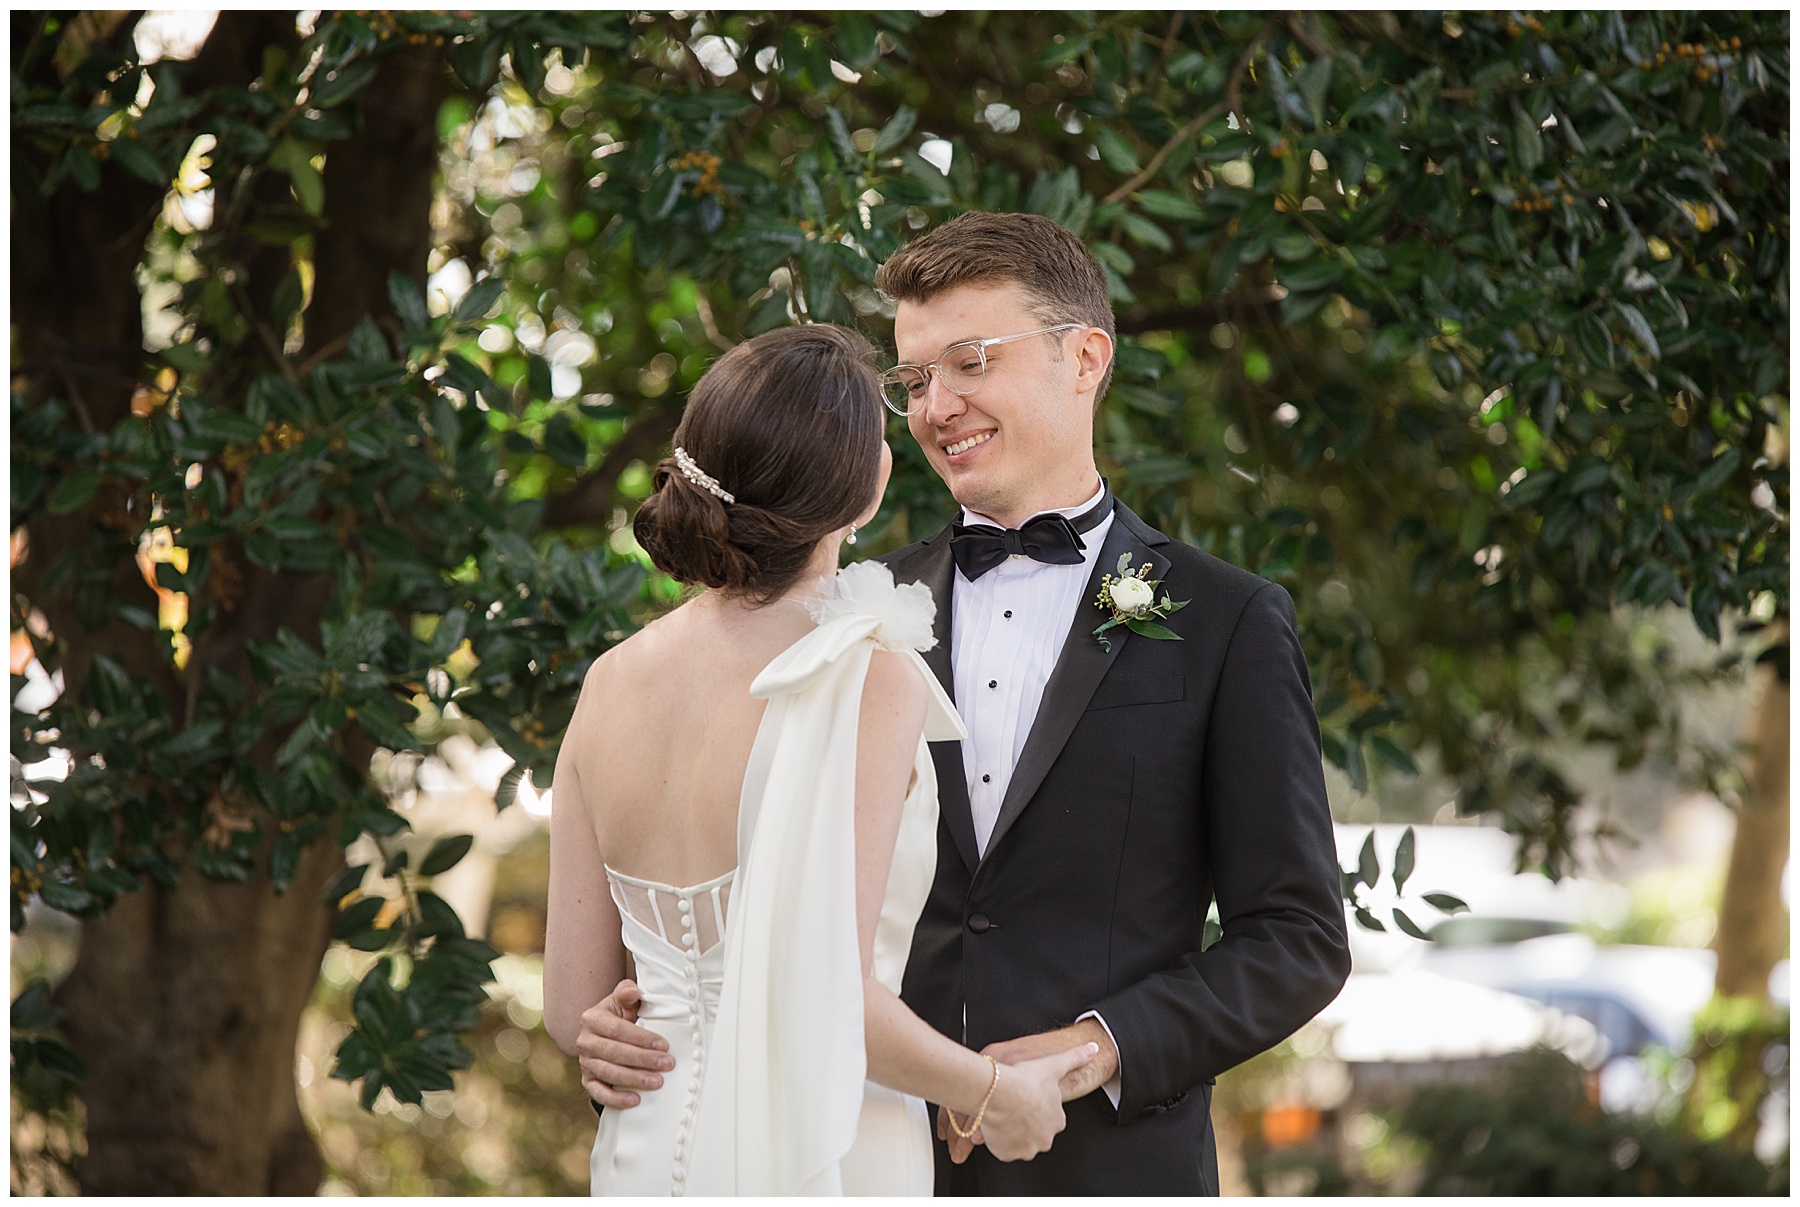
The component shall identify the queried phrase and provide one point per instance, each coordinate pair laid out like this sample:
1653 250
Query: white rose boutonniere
1129 596
1133 596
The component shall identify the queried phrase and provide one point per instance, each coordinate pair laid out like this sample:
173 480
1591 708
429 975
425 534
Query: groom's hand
1083 1080
1079 1083
617 1056
959 1147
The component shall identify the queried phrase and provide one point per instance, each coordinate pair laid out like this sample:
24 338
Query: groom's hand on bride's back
618 1057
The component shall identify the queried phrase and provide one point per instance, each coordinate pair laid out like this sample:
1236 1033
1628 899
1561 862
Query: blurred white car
1634 996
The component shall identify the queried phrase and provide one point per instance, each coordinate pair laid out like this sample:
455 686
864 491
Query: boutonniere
1129 597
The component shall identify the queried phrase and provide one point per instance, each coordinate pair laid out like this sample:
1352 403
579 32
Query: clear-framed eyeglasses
962 368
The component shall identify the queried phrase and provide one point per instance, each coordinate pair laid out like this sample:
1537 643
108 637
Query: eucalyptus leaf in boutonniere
1129 598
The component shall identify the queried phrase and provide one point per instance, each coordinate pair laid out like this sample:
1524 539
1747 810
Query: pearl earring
851 539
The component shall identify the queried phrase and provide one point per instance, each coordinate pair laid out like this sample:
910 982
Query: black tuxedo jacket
1157 778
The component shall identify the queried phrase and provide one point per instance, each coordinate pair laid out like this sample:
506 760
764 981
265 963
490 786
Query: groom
1108 792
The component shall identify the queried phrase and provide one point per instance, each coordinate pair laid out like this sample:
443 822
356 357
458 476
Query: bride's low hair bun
789 424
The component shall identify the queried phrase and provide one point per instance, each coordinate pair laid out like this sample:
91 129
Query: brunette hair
790 424
1061 278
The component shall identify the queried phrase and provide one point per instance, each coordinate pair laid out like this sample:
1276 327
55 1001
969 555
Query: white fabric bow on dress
783 1087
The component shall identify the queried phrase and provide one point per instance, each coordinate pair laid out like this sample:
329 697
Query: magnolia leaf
1403 860
1115 152
436 917
408 302
33 1010
445 854
896 130
309 186
1406 924
74 492
1447 903
356 916
345 883
480 299
1393 755
839 130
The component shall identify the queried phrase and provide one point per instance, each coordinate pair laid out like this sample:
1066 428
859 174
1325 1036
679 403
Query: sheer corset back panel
671 913
676 937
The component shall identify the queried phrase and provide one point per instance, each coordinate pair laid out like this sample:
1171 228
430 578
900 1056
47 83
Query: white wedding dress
755 978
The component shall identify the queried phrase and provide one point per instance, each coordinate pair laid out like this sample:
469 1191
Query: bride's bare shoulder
639 655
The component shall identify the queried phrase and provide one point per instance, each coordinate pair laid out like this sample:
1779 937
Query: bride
745 804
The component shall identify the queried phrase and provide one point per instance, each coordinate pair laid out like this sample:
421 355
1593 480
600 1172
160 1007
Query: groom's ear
1093 363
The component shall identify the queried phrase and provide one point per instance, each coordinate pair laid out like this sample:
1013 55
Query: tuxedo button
993 683
1009 613
1167 1104
979 923
986 778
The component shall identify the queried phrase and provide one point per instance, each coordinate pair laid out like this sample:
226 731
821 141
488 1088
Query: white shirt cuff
1112 1087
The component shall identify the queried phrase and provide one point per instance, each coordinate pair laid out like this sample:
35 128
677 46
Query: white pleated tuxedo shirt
1007 629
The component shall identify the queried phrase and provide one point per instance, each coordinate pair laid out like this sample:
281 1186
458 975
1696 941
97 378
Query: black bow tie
1051 538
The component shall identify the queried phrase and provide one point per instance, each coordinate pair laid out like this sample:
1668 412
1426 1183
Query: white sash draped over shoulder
783 1093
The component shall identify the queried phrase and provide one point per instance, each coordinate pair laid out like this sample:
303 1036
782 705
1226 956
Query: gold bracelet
975 1123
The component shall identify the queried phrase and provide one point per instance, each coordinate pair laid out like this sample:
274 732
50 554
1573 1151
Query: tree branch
1228 105
673 31
1168 49
590 499
1296 25
324 354
705 310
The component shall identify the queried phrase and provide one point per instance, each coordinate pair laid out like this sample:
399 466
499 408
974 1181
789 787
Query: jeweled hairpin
699 477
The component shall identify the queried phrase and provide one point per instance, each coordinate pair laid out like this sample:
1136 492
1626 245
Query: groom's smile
956 452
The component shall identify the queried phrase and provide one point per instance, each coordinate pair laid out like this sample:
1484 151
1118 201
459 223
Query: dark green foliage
1479 319
374 471
42 1065
1540 1136
1359 882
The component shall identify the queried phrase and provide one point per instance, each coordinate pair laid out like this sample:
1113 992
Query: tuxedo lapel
936 569
931 564
1079 669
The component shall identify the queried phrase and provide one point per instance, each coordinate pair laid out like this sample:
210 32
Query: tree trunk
185 1006
1753 926
378 198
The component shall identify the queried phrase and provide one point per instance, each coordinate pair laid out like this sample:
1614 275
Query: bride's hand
1025 1112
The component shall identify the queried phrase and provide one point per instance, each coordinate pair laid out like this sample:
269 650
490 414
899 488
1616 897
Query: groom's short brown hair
1060 276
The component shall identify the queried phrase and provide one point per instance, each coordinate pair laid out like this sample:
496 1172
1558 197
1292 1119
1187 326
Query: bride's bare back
662 736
